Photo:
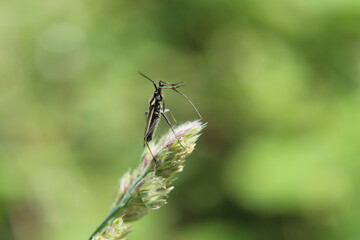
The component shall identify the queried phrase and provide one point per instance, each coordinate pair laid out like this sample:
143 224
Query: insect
157 110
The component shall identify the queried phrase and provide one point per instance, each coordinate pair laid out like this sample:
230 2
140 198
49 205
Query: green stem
124 201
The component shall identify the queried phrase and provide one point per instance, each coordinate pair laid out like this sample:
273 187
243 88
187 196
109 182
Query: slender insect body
153 121
153 115
157 109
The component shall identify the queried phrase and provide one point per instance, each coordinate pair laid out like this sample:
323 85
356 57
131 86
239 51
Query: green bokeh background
277 82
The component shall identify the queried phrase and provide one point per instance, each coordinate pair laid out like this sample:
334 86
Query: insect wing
152 127
149 116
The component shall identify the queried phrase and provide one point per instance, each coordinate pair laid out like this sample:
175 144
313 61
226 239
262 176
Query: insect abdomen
152 127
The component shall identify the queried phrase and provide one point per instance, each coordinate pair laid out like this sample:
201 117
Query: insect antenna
197 111
148 79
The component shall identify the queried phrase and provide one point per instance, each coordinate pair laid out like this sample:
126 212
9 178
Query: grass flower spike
148 186
116 231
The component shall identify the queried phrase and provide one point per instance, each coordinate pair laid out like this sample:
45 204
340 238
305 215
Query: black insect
157 109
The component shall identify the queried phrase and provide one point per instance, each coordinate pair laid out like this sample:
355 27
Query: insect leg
171 114
148 147
170 84
168 110
168 122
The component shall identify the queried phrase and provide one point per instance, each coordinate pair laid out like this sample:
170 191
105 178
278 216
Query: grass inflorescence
148 186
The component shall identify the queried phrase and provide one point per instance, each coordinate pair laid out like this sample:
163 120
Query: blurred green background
277 82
